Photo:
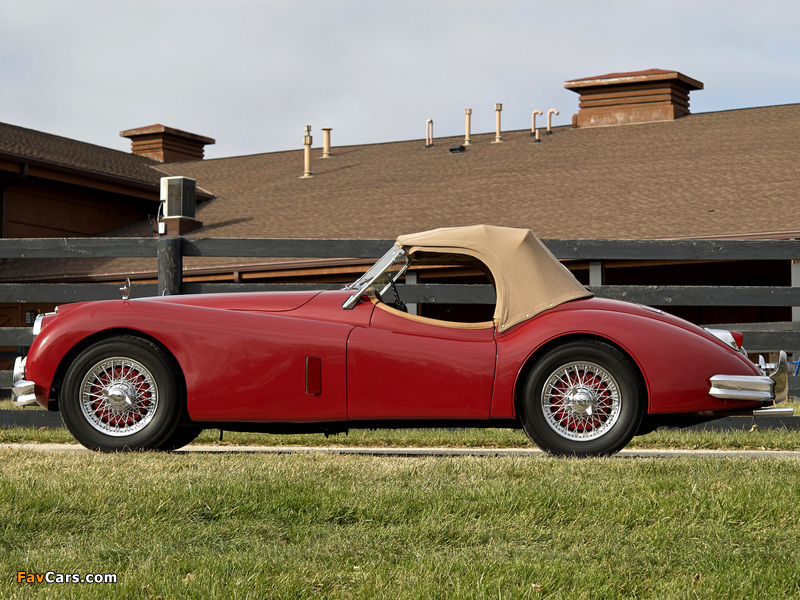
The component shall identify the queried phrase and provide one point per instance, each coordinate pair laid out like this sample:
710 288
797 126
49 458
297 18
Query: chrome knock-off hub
581 401
120 396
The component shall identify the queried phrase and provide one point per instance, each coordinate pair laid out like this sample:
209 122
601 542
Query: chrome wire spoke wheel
581 401
583 397
118 396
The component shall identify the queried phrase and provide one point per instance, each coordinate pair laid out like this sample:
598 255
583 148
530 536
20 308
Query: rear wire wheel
583 398
121 393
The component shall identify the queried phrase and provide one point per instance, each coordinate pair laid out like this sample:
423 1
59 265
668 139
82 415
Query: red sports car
581 375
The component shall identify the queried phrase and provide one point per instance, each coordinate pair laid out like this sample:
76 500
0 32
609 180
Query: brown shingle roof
713 174
72 154
706 174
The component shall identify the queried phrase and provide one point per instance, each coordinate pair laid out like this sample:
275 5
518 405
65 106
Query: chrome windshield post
373 278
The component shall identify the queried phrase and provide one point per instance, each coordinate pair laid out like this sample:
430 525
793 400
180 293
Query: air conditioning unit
179 195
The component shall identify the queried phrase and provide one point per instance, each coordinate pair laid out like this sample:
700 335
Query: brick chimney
166 144
637 97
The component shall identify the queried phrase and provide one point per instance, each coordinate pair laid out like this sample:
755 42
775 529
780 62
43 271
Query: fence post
595 273
412 279
795 282
170 265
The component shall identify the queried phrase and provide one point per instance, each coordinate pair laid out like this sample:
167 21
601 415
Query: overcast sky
252 73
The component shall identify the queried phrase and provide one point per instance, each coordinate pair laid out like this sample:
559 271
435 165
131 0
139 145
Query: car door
407 367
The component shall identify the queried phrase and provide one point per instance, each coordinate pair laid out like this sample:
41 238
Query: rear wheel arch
583 398
533 359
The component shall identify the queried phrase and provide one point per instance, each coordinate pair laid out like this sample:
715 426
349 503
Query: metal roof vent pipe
550 114
534 131
498 108
468 113
326 142
429 133
307 139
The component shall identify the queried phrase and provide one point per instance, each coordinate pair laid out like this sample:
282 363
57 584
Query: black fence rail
168 255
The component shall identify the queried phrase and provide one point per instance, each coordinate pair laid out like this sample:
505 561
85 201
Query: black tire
583 398
121 393
183 434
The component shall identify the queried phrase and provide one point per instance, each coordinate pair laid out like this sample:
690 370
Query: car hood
250 301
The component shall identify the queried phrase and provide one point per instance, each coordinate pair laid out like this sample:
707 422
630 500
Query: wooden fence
168 254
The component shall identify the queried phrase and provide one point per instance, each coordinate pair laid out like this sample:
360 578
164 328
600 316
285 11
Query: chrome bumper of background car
773 385
21 391
773 412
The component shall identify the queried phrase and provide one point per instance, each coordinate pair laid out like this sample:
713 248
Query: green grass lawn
332 526
459 438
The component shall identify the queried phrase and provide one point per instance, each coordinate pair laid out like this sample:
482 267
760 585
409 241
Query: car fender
675 358
260 358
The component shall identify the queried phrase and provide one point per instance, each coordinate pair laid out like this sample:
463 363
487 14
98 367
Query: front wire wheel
583 399
118 396
122 393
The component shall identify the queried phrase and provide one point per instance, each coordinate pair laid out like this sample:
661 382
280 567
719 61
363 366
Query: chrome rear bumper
772 386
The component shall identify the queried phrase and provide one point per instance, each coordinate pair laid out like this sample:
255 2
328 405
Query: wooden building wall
40 208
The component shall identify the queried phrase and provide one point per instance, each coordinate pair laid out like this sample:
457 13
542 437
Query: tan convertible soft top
528 278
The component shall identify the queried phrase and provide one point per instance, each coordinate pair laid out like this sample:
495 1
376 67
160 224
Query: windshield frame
379 276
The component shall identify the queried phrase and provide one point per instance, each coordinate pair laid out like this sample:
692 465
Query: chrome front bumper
21 390
772 386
